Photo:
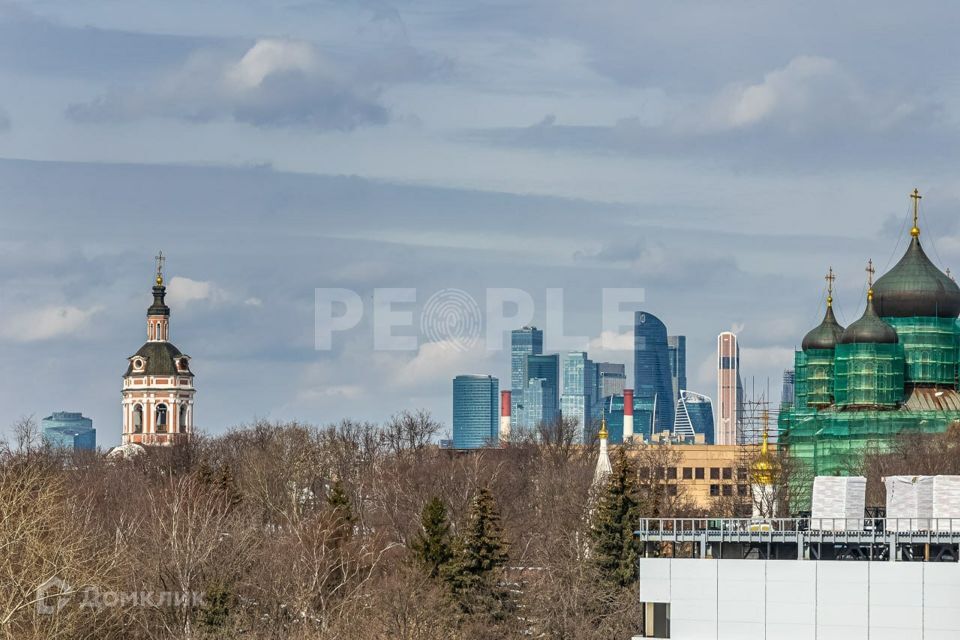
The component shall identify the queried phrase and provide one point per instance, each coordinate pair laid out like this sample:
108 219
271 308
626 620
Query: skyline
484 147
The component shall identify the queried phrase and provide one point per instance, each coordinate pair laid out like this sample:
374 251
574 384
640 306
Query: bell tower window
183 418
138 419
161 418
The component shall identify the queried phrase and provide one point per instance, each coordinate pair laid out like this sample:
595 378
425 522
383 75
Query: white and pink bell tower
158 385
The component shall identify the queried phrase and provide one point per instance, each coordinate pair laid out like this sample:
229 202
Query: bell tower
158 386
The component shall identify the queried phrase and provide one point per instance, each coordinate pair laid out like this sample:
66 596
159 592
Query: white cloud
438 363
276 82
182 291
46 323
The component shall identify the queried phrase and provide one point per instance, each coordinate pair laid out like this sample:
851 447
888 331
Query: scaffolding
800 388
869 375
930 348
818 377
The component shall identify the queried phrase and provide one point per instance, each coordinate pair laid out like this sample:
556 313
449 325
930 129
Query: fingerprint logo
452 318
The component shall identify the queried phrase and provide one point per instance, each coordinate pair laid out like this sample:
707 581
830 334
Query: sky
718 156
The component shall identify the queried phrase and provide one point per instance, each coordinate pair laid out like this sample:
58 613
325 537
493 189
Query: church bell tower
158 385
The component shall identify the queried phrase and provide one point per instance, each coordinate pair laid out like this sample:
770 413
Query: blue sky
719 155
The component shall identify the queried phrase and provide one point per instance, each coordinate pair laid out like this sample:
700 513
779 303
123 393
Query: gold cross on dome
915 231
870 271
160 260
830 277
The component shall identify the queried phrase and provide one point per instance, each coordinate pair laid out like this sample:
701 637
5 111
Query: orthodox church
158 385
892 371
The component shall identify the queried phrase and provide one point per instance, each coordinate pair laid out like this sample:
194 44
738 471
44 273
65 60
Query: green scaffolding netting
869 374
800 380
930 348
819 377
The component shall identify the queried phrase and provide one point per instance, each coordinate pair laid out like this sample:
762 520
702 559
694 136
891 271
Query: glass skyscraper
578 395
611 379
69 431
476 415
523 342
541 393
694 416
677 351
652 378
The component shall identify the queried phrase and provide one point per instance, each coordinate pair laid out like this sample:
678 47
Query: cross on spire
830 277
915 231
160 260
870 271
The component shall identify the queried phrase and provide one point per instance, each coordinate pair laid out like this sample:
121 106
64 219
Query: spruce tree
431 547
615 549
475 572
339 504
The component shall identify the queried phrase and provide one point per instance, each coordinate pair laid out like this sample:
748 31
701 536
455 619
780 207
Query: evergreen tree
339 504
432 544
615 549
474 573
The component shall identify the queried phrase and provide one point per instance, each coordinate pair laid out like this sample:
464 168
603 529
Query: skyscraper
523 342
475 411
541 399
694 416
611 379
677 351
69 431
729 389
579 388
787 393
652 379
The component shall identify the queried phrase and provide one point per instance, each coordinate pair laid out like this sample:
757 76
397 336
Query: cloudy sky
718 155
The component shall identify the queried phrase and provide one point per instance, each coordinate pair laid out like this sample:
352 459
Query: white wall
805 600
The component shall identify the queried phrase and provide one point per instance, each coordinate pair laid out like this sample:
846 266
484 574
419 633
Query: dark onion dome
825 336
915 287
159 306
159 359
869 328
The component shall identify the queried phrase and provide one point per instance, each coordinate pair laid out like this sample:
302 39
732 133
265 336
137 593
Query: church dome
826 335
915 287
869 329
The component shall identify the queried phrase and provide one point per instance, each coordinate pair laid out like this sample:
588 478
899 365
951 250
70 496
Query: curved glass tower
652 378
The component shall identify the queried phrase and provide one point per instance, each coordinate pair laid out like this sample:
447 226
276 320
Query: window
671 489
161 418
671 473
727 473
714 473
659 473
741 490
714 490
688 473
138 364
182 424
741 473
727 489
699 473
138 419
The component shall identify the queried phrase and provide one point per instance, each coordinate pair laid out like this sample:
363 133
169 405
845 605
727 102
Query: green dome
869 329
915 287
826 335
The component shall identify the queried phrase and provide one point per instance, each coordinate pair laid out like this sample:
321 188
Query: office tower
787 393
578 391
694 416
475 414
69 431
541 399
611 379
677 352
652 380
524 342
729 390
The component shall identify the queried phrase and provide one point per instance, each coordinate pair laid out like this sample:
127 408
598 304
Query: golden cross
915 231
870 271
830 278
160 260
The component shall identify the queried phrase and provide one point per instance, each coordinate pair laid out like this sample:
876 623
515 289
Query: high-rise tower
475 416
677 351
158 385
652 380
729 389
524 342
